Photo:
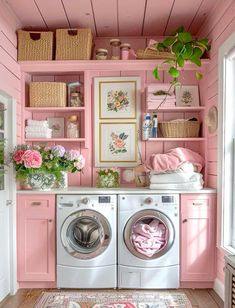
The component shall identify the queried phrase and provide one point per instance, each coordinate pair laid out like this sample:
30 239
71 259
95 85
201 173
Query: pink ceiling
113 17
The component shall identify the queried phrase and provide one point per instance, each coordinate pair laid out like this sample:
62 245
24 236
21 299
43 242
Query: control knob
86 201
148 200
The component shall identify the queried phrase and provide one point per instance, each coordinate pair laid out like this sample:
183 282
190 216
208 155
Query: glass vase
41 181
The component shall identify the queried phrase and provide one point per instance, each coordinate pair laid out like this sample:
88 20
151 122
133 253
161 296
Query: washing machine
148 241
86 241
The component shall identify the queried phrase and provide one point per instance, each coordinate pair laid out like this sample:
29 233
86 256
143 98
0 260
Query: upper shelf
177 109
103 65
54 109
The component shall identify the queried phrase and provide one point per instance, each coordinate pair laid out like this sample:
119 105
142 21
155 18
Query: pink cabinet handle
185 220
36 203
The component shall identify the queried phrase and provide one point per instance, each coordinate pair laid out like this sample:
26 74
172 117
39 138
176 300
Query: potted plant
108 178
43 166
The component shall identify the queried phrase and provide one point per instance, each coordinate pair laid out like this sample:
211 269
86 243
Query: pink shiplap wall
9 69
218 26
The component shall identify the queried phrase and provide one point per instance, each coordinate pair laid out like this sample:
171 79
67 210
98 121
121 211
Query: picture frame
75 98
116 145
117 97
57 126
187 95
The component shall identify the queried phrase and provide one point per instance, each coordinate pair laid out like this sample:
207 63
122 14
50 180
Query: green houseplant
184 48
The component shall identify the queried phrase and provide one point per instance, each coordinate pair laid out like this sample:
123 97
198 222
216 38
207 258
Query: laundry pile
148 239
179 168
37 129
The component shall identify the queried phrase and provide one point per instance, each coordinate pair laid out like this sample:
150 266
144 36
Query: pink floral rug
114 299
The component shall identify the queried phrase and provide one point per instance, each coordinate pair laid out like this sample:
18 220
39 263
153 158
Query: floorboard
199 298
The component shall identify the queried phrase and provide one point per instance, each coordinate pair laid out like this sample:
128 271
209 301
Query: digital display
104 199
167 199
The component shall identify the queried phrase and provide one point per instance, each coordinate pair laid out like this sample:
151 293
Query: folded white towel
184 186
38 129
37 123
175 177
38 135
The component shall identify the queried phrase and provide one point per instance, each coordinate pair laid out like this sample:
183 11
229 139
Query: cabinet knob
50 220
184 220
35 203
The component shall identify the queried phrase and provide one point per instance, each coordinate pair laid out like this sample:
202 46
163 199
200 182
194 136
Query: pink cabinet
36 237
198 237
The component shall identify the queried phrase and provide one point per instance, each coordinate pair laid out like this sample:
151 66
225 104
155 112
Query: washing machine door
85 234
149 234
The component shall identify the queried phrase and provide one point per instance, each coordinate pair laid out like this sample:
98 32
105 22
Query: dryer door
85 234
149 234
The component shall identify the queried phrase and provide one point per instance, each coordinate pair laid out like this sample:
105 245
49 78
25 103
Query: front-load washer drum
85 234
149 234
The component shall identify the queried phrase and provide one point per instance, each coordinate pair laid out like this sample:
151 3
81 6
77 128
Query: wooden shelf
72 66
176 139
55 139
54 109
177 109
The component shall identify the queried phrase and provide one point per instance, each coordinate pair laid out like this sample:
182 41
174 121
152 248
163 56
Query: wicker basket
73 44
181 129
47 94
149 53
35 45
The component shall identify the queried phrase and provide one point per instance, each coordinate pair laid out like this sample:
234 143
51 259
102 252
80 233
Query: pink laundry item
173 159
148 239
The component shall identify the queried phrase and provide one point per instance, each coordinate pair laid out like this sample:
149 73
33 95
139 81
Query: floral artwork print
187 97
117 100
117 144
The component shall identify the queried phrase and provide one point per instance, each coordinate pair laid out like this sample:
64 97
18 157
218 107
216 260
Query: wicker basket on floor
149 53
73 44
34 45
180 129
47 94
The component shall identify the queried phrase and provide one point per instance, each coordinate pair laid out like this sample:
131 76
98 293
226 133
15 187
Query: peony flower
32 159
58 150
119 143
17 156
80 162
72 155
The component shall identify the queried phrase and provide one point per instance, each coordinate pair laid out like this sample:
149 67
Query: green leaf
196 61
199 75
188 51
156 73
169 61
169 41
178 30
197 52
161 46
177 47
180 61
185 37
173 72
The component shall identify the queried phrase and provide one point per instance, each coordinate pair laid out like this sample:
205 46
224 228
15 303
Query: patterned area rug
111 299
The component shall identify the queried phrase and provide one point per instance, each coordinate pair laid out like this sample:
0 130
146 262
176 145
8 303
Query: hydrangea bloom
58 150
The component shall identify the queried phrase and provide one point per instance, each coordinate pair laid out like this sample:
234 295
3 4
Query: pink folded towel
173 159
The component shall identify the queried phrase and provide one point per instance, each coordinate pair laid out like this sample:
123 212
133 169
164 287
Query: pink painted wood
36 237
198 237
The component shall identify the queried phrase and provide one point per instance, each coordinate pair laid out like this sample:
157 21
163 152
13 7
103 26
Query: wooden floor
25 298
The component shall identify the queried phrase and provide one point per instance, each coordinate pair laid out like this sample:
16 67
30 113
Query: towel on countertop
176 177
197 185
173 159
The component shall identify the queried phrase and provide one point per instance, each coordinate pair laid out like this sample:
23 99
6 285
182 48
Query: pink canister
125 50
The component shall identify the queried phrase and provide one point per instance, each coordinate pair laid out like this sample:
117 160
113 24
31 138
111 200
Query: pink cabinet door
197 237
36 237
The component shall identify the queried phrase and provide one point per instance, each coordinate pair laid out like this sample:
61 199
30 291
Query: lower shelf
177 139
55 139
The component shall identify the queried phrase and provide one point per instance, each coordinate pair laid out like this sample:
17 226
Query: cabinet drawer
196 206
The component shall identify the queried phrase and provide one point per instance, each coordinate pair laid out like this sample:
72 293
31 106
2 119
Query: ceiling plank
28 13
53 13
201 15
105 12
156 16
182 14
80 14
130 17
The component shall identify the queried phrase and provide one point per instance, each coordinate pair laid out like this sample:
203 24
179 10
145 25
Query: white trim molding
219 288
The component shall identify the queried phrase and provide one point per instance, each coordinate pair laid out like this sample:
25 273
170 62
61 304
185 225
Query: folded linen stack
156 93
178 169
37 129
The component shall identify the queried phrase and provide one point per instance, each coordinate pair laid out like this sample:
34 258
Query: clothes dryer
86 241
148 241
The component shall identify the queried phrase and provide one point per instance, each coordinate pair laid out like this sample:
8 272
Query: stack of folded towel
156 93
37 129
177 169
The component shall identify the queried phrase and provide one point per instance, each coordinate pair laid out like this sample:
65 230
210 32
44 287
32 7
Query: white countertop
119 190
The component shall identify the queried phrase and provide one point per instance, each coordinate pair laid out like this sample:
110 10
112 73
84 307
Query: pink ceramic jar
125 49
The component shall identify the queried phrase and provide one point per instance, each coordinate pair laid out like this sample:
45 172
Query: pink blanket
149 238
173 159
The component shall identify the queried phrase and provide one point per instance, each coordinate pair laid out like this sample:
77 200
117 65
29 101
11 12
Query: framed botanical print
117 97
116 144
57 126
187 96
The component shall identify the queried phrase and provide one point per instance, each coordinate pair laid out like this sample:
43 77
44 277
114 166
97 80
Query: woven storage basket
35 45
181 129
47 94
73 44
153 54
